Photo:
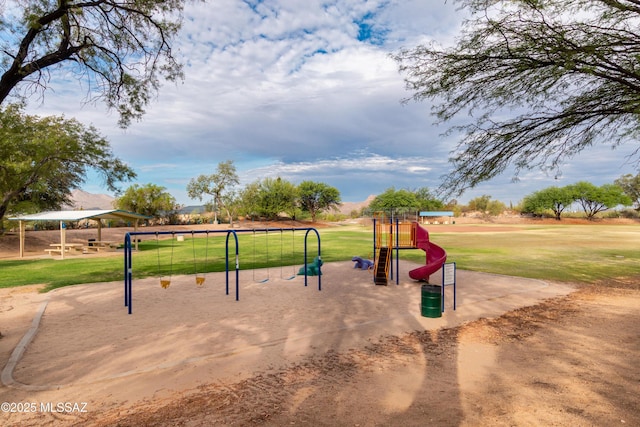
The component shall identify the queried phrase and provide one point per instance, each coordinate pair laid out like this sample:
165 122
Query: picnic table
68 247
98 245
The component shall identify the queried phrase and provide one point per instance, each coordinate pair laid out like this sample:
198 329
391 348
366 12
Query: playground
352 353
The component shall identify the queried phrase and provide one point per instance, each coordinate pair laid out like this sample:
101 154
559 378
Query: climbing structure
381 269
407 235
383 242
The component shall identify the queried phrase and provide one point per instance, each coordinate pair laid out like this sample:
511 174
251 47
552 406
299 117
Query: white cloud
301 90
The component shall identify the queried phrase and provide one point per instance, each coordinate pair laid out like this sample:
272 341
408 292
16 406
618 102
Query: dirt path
569 361
566 361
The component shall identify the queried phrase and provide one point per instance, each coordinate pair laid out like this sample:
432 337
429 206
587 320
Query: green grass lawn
572 253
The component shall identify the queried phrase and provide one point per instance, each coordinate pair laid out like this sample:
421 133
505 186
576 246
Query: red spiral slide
435 255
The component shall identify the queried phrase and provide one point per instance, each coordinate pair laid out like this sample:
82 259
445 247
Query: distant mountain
83 200
347 207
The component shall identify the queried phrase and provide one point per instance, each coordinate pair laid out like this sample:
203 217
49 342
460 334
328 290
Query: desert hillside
83 200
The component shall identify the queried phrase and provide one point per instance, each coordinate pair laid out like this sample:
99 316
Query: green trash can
431 305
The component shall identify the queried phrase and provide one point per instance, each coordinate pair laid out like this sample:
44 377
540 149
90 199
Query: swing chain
293 255
164 282
200 279
255 261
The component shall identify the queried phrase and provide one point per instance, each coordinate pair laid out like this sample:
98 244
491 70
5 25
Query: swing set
201 269
200 277
291 254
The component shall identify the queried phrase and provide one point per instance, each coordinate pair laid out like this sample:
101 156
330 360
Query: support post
448 279
63 238
99 230
135 229
22 237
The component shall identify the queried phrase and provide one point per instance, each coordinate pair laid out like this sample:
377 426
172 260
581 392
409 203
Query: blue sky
303 90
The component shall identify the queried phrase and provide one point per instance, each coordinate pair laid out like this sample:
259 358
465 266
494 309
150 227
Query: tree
216 185
427 201
496 207
556 199
42 159
315 197
121 48
149 199
249 200
231 202
480 203
597 199
268 198
542 80
394 201
631 186
276 196
487 206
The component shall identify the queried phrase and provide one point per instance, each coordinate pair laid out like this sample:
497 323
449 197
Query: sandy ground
514 352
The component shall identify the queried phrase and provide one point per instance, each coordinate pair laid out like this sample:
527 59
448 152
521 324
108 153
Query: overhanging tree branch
540 82
123 48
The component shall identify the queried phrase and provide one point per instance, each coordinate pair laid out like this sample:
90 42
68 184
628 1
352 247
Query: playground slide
435 255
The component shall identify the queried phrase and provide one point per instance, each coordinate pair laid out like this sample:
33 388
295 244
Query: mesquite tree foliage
42 159
540 80
120 48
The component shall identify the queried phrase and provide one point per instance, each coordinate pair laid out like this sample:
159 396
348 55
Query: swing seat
200 278
165 283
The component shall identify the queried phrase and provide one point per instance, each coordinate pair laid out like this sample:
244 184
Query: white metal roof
78 215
